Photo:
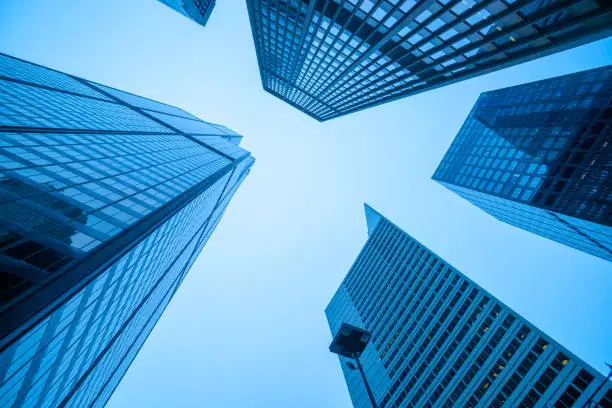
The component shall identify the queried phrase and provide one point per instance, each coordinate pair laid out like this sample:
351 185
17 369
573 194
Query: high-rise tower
333 57
440 340
197 10
538 156
106 200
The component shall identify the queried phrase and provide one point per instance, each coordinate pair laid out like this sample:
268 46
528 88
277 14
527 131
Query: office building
197 10
440 340
538 155
329 58
106 200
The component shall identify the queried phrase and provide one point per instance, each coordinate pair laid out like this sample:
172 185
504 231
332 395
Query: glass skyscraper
197 10
538 156
333 57
440 340
106 200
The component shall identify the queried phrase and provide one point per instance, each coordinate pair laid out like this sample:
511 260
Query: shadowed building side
538 156
28 255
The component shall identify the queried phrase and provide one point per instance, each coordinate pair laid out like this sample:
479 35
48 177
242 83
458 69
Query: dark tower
538 156
329 58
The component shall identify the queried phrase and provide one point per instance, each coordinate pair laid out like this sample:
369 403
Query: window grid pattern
29 106
62 195
440 340
332 57
13 68
142 102
84 326
543 145
197 10
106 183
98 166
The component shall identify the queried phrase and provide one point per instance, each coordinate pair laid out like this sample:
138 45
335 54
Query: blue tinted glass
140 102
25 71
538 153
439 339
329 59
103 210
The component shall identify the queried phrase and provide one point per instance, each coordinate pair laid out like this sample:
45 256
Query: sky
296 225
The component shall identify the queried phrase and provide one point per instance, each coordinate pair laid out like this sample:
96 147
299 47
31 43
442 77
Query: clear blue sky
297 223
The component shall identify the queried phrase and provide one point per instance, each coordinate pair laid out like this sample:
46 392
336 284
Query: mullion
351 70
333 21
405 90
420 26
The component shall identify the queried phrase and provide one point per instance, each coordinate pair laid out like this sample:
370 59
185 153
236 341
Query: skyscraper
197 10
106 200
440 340
538 156
333 57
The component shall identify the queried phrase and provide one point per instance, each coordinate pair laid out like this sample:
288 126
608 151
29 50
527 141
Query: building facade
197 10
538 156
333 57
440 340
106 200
